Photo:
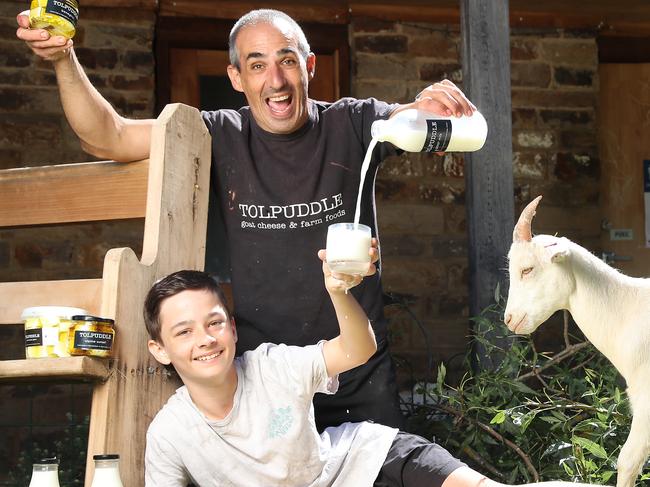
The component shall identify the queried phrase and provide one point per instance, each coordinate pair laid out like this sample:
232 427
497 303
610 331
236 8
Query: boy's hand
50 48
336 282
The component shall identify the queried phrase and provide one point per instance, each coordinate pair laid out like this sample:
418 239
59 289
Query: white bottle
45 473
414 130
107 471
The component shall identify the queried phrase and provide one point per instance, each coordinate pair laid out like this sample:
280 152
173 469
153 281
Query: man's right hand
51 48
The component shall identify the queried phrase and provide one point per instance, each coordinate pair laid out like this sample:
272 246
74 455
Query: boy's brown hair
173 284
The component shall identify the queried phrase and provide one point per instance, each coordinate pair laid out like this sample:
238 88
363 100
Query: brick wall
116 50
421 197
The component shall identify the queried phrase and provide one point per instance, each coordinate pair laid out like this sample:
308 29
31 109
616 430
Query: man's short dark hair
173 284
264 16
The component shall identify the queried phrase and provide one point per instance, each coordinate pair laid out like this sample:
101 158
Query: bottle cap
110 456
377 129
47 461
51 311
84 317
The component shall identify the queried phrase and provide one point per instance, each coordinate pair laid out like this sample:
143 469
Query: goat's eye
526 271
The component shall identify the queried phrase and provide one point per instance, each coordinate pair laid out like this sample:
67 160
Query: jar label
36 337
93 340
438 135
68 9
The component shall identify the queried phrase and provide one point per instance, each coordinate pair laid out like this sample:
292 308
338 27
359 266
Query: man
285 167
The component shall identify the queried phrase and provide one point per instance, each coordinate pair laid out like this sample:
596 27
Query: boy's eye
216 323
182 333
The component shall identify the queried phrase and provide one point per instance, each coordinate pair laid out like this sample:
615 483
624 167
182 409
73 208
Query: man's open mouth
280 104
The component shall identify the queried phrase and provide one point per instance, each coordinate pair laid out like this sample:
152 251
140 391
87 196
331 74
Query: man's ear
311 65
235 78
158 351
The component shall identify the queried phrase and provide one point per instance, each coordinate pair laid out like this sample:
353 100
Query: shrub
537 416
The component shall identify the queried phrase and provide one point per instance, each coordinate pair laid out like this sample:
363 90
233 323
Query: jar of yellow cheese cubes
46 330
91 335
59 17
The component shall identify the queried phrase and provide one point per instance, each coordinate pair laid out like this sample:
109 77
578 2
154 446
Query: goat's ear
558 251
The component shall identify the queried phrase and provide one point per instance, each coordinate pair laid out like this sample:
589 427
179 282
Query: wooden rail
66 193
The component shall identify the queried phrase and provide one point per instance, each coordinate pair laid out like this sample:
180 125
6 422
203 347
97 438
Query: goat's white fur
613 311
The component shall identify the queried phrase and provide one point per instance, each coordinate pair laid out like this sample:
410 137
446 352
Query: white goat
613 311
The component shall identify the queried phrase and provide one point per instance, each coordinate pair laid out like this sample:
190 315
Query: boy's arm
356 342
103 132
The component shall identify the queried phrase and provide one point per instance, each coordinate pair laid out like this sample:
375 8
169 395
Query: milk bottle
107 471
414 130
45 473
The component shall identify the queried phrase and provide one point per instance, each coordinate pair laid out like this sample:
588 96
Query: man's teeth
279 98
208 357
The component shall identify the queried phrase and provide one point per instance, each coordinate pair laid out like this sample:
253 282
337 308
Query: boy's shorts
413 461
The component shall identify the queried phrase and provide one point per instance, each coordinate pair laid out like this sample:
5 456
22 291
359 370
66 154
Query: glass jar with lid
59 17
46 330
91 335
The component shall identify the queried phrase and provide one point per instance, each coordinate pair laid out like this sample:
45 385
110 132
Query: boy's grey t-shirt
269 437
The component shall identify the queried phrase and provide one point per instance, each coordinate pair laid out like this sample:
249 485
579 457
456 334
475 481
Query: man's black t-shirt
278 195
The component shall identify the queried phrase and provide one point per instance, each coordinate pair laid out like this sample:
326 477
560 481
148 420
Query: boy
249 422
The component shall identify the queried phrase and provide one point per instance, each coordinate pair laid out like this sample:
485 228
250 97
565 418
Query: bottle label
68 9
93 340
438 135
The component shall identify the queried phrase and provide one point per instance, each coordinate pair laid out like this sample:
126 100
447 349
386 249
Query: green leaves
593 447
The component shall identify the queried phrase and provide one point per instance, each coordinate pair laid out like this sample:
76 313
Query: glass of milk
348 248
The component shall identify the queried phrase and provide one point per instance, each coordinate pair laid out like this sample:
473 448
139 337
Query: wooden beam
53 369
88 191
485 40
78 293
623 50
122 4
323 11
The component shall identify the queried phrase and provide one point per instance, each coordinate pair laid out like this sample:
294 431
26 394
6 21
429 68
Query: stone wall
421 197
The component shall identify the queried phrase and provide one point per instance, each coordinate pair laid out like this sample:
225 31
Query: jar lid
47 461
111 456
55 311
87 317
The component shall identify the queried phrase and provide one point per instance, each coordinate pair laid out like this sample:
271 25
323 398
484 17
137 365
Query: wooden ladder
170 190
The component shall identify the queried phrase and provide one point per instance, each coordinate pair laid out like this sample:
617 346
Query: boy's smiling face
197 337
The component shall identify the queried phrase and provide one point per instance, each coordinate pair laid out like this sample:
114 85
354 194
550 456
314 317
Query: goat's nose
508 319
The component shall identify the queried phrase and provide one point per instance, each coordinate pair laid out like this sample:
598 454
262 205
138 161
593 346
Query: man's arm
356 342
103 132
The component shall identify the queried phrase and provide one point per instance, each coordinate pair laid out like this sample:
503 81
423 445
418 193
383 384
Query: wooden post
485 38
174 239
